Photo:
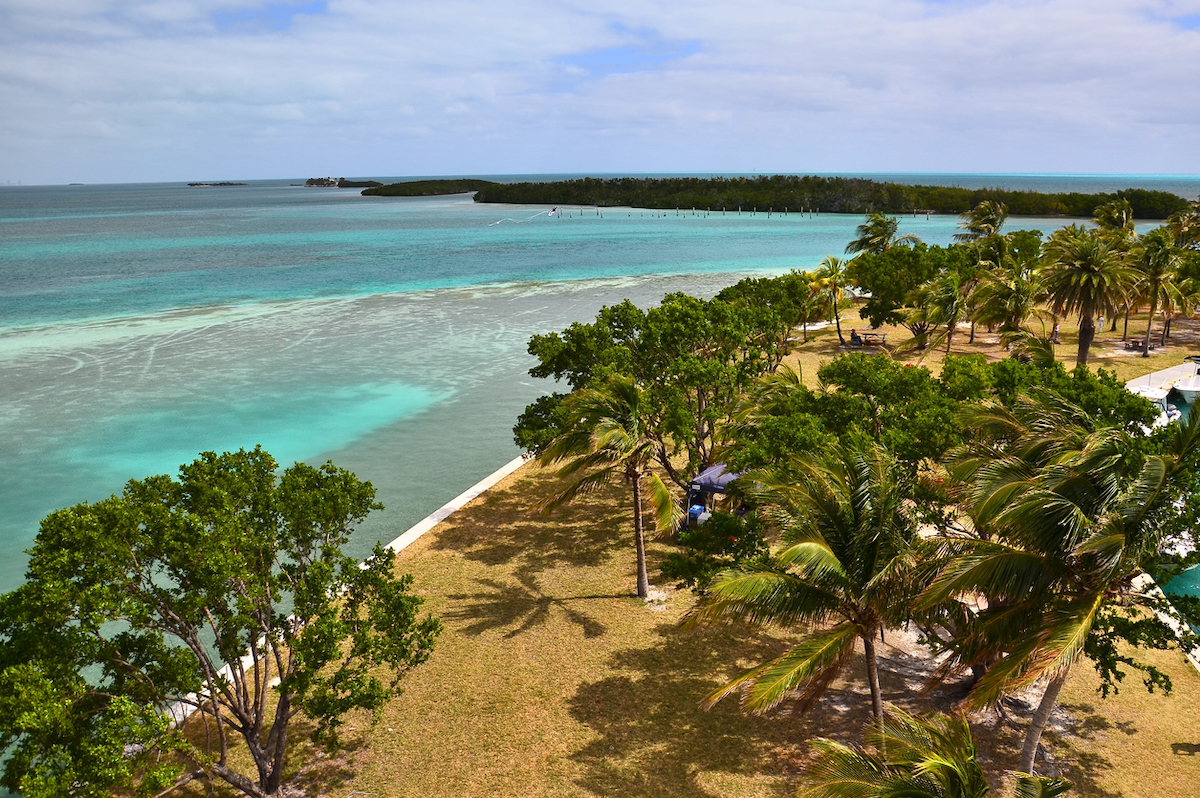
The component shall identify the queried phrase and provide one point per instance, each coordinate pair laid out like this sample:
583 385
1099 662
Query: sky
164 90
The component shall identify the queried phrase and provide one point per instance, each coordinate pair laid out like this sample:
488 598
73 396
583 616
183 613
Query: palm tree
1157 260
878 234
1185 226
847 533
982 222
931 757
938 302
1009 292
1084 273
1115 218
831 276
607 439
1073 514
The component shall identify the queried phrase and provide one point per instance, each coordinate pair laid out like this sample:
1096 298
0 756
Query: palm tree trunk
1150 324
837 321
1038 724
1087 333
873 674
643 580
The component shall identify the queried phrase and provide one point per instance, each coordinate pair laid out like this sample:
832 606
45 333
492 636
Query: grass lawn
553 679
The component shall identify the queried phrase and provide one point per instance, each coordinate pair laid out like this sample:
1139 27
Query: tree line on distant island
829 194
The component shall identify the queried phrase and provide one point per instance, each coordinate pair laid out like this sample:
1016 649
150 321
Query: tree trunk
837 322
1038 724
1125 331
873 674
971 340
643 580
1150 324
1087 333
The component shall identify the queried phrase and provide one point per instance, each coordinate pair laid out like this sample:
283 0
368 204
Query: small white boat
1167 412
1189 387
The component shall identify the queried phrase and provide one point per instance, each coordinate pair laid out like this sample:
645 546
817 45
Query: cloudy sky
145 90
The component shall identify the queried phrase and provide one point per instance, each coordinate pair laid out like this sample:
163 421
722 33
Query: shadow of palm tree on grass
505 528
520 606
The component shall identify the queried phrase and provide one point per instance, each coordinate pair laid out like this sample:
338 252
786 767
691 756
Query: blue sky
144 90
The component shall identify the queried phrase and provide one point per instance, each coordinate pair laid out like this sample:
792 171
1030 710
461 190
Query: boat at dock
1189 386
1167 412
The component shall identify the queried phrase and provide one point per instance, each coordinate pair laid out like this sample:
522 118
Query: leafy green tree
913 757
691 357
889 277
1086 274
725 541
1070 514
878 234
606 440
847 531
224 595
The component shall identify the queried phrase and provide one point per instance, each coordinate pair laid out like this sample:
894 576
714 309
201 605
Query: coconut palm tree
908 756
1185 226
1115 218
1157 259
1009 292
982 222
1087 274
878 234
847 534
832 279
1073 514
939 302
608 439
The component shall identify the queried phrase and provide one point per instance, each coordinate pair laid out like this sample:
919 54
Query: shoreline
414 532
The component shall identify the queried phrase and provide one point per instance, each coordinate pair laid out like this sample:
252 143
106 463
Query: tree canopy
223 595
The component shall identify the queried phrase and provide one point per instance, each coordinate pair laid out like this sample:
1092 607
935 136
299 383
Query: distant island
429 188
223 183
341 182
795 193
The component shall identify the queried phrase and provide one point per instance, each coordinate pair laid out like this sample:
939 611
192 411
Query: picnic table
1139 345
858 339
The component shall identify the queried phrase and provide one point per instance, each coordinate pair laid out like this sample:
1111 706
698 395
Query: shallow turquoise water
140 325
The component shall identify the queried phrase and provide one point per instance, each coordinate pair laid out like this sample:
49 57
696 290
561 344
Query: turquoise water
142 324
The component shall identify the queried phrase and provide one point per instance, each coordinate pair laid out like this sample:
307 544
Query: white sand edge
447 509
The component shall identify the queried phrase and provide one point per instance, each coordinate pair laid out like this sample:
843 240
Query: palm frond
809 667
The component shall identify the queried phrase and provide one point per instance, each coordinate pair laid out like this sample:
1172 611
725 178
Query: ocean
143 324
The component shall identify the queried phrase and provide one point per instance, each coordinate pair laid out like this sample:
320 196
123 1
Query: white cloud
168 89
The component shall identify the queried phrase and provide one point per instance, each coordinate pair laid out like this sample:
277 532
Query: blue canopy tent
712 481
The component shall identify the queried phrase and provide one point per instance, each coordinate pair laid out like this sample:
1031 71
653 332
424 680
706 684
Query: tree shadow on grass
504 528
521 606
653 738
